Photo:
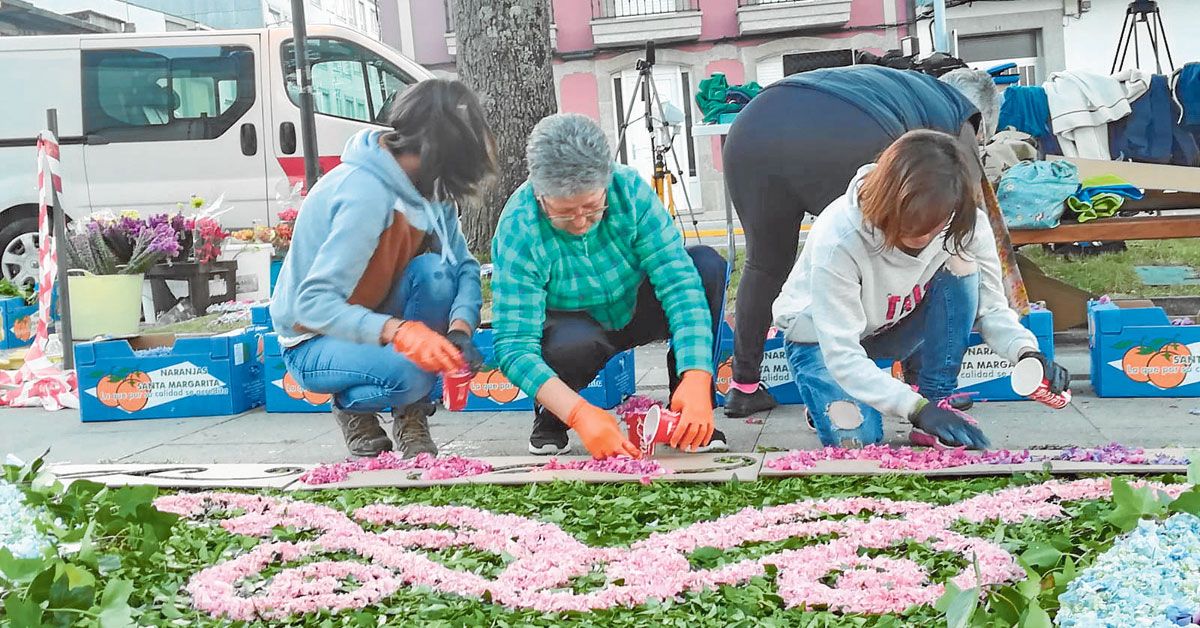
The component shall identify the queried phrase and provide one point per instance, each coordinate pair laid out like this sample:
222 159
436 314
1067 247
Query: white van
148 120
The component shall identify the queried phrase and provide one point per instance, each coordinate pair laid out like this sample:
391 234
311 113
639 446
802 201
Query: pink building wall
574 21
580 93
718 19
866 12
429 33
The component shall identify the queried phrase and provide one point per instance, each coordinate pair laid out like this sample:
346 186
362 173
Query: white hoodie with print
846 287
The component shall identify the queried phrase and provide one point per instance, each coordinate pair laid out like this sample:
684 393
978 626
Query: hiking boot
716 444
364 436
411 430
739 405
549 436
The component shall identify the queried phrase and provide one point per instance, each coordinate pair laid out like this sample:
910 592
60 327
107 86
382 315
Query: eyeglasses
586 213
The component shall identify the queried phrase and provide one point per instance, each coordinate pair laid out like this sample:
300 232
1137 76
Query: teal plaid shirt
538 267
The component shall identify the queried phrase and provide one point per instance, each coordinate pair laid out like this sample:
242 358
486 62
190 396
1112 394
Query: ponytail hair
443 123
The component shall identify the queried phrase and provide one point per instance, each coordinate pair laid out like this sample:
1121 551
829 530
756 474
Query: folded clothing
1101 196
716 97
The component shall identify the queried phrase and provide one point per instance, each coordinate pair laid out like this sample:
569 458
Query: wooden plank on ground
1113 229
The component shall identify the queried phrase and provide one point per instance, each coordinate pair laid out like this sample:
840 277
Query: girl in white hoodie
901 267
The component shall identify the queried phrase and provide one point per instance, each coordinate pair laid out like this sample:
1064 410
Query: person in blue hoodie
379 292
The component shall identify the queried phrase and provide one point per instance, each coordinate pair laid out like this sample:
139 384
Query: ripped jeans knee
961 267
847 424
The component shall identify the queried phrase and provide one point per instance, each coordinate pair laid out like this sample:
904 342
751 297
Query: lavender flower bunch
105 245
184 228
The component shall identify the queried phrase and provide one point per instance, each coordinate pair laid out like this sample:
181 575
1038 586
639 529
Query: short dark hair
921 181
443 122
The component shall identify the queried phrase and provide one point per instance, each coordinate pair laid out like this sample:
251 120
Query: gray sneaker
411 430
364 436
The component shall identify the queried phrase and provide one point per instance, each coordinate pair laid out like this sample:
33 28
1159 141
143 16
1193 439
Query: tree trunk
504 54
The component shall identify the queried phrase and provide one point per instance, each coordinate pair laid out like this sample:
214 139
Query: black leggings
791 150
577 347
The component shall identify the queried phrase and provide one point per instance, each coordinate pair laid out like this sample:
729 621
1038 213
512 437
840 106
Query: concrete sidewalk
310 438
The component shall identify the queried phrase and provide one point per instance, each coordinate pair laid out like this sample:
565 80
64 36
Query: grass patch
1113 274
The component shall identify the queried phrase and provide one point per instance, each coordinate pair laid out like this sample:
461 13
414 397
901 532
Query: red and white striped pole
56 252
39 382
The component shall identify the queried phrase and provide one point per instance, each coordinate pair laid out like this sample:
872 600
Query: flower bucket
104 305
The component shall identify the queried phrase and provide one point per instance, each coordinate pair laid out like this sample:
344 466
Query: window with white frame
987 51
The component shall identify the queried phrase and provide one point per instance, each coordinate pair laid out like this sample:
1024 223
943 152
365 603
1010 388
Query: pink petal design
545 559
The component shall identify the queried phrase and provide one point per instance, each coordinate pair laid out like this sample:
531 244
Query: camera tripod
664 179
1147 13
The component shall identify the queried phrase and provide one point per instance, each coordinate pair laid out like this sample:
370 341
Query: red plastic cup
633 426
455 388
656 429
1029 380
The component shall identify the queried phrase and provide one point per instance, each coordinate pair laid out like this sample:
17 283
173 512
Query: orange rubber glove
599 432
427 349
693 401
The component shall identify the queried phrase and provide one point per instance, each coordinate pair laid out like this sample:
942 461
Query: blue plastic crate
183 376
283 394
492 391
260 316
986 376
774 374
18 322
1136 352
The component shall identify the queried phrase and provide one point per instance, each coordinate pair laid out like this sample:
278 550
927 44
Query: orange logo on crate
725 376
1162 364
129 393
133 391
297 392
492 384
23 329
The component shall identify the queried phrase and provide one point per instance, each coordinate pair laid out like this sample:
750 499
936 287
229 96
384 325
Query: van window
167 93
348 80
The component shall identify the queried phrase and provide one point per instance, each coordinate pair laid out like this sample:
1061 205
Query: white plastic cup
1029 380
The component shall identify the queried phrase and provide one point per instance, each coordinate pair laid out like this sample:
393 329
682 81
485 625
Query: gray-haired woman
588 264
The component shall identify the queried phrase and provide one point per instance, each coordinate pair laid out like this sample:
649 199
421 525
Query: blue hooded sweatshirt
357 231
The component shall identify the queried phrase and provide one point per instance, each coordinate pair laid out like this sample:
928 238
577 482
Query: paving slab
197 476
1042 461
518 470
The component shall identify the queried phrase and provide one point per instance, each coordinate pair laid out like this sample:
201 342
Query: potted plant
107 256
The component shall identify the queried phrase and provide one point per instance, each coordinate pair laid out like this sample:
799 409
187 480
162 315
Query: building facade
598 44
1047 36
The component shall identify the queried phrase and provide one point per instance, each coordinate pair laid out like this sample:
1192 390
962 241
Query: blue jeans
931 341
372 378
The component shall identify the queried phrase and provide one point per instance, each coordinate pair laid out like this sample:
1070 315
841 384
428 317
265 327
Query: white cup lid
650 426
1027 376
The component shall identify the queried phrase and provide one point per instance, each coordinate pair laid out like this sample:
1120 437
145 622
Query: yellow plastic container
104 305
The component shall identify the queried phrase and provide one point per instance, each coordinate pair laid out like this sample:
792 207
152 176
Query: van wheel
19 251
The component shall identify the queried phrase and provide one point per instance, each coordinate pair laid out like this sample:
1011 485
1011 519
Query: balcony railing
760 17
602 9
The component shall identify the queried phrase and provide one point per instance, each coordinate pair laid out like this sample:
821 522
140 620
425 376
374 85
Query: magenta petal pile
905 458
432 467
646 468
